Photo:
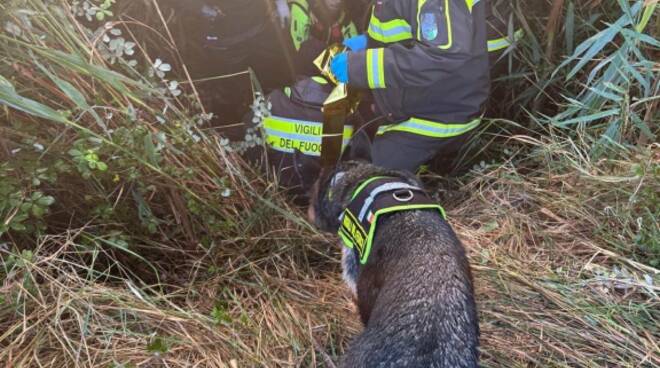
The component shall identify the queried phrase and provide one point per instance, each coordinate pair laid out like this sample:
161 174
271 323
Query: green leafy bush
97 132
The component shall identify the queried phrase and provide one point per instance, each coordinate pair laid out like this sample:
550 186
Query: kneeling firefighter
427 67
296 124
461 60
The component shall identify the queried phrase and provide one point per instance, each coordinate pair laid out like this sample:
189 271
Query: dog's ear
307 169
359 148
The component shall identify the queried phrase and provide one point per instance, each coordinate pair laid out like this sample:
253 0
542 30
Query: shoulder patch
429 26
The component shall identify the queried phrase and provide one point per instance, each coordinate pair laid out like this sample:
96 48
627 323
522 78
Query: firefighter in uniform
316 24
427 66
295 124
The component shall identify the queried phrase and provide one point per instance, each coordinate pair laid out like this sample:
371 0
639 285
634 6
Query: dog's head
331 190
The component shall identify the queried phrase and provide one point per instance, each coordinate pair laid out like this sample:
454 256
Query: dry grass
562 245
59 312
552 290
547 292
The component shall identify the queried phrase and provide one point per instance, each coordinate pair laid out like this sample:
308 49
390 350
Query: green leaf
157 346
5 83
69 90
649 9
569 28
75 153
587 50
642 126
150 149
9 97
220 315
18 226
46 201
606 95
587 118
21 216
38 212
77 63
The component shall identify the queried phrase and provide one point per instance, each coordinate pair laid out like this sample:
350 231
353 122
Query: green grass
130 236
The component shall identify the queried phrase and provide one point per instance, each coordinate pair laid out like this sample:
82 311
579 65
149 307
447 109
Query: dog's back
415 297
413 288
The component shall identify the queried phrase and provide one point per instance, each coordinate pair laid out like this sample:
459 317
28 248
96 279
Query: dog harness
373 198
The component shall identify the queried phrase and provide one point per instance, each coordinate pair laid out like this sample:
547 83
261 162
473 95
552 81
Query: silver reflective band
377 191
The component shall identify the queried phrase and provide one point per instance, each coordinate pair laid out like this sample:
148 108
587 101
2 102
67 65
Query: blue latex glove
339 67
357 43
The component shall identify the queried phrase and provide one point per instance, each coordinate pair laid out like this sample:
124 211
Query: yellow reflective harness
372 199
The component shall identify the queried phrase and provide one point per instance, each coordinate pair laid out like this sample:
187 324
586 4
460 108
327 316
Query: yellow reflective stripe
381 67
420 5
288 135
429 128
450 37
300 23
350 30
504 42
394 30
319 80
376 68
470 4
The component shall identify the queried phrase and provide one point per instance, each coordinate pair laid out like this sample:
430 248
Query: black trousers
408 152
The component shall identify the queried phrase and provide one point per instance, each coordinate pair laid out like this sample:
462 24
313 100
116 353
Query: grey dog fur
415 294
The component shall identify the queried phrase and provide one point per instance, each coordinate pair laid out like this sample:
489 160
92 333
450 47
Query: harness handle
335 110
334 121
404 195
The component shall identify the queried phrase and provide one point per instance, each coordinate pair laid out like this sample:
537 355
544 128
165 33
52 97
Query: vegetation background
132 235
